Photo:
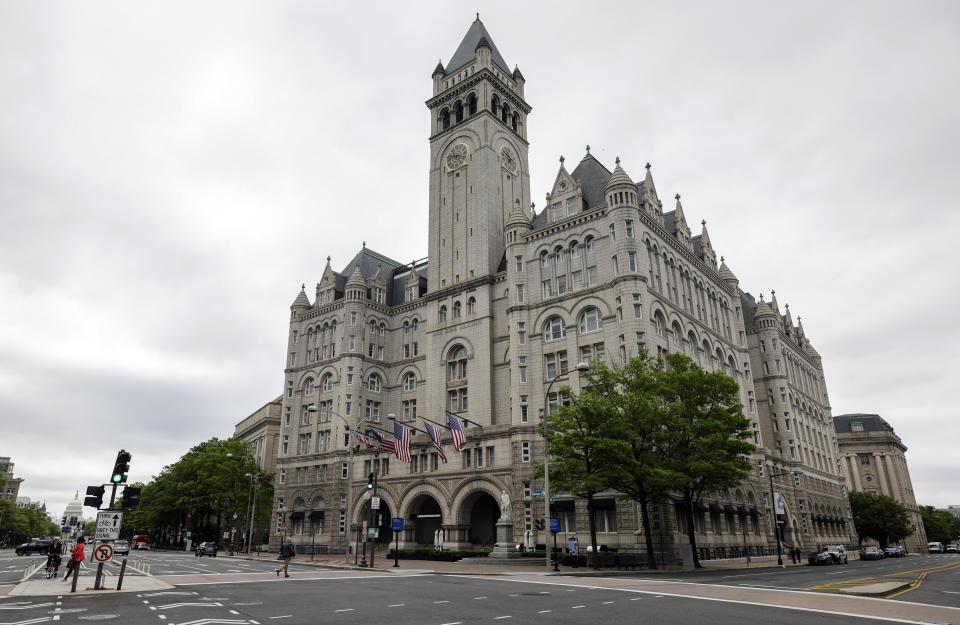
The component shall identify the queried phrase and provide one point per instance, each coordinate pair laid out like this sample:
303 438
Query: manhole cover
98 617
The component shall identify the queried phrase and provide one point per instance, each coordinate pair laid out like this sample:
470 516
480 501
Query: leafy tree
581 443
21 524
706 433
879 517
637 423
940 525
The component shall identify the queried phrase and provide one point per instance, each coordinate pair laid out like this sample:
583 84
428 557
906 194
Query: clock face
507 159
456 157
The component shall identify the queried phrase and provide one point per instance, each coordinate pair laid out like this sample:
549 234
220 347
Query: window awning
715 507
754 512
742 509
605 504
315 514
729 509
563 505
296 515
699 507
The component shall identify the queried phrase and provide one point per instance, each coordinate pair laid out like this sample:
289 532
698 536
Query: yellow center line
918 574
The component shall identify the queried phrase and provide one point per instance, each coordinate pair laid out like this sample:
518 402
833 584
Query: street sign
375 503
103 553
554 525
397 524
553 500
537 492
373 532
108 525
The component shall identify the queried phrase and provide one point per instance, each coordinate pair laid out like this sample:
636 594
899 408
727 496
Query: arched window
472 104
574 250
459 111
590 245
504 113
308 387
677 335
554 329
373 383
383 329
658 323
443 313
559 254
613 232
373 328
456 310
590 320
472 306
406 327
410 382
457 363
544 258
515 122
326 383
494 104
413 325
444 119
318 514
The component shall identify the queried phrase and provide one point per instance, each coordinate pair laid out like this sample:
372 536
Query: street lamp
255 481
773 507
353 451
581 367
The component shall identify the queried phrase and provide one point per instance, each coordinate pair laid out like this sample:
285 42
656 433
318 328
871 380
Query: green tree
879 517
939 525
583 450
706 433
637 424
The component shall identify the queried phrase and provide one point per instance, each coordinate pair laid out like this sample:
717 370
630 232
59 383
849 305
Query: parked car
34 546
823 557
935 547
872 553
121 547
207 549
895 551
839 553
951 549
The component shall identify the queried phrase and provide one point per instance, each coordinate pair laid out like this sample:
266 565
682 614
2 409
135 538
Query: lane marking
577 607
345 610
607 602
396 605
497 618
544 611
441 602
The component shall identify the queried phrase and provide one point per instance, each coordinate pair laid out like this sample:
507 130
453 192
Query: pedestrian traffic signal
538 524
94 497
131 496
370 479
121 467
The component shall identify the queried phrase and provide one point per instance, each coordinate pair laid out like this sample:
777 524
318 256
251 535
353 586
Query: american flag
435 437
363 439
385 445
456 429
402 445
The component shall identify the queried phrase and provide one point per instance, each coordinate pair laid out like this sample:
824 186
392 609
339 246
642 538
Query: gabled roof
669 222
467 51
593 178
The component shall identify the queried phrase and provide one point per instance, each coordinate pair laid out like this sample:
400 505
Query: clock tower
478 159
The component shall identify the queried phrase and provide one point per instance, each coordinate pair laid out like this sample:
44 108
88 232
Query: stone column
854 472
881 474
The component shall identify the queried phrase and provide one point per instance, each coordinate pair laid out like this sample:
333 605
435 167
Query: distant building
11 485
954 510
23 502
261 430
874 462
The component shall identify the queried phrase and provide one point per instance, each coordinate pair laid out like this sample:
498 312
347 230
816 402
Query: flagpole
435 423
408 426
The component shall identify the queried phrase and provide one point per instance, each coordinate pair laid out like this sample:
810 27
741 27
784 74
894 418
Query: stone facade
874 461
261 430
508 300
11 485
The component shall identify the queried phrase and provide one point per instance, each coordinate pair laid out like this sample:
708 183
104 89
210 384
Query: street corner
47 587
880 589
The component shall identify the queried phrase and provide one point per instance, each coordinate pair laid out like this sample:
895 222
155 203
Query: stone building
509 300
9 485
874 461
261 430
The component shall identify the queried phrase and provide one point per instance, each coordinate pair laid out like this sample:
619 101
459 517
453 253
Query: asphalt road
402 600
938 574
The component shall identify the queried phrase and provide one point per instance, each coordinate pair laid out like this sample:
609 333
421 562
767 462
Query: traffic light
94 497
538 524
370 479
131 496
121 467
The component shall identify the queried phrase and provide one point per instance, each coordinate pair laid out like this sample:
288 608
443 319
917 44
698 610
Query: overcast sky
171 173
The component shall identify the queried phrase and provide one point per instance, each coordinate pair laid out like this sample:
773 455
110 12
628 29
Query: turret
301 303
519 80
438 78
483 52
727 276
356 288
620 190
518 224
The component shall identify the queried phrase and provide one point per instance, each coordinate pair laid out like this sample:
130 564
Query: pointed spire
301 300
438 70
704 237
619 177
561 160
356 278
725 274
588 149
476 37
773 302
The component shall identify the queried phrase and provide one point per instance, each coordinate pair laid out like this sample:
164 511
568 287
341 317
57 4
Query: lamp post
773 507
581 367
251 522
353 451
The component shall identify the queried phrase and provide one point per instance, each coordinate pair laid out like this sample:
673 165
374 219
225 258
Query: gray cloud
170 174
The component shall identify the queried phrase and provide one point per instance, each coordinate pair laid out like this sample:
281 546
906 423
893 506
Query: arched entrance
381 519
424 519
479 512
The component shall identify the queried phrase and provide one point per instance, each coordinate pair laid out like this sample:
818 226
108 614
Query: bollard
123 567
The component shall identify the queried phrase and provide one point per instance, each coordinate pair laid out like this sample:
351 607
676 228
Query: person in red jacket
76 557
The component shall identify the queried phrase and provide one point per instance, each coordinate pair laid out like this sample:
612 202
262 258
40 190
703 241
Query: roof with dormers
467 50
593 178
870 423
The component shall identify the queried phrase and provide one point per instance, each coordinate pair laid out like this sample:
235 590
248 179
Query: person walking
76 557
793 555
287 552
54 558
799 556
